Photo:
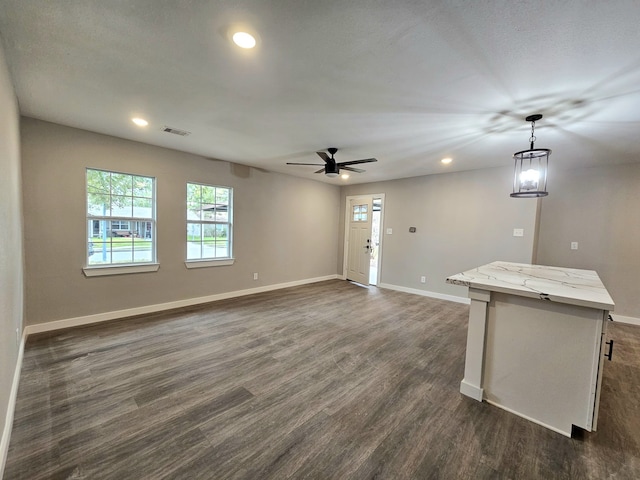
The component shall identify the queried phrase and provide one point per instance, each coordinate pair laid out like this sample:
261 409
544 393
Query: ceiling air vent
176 131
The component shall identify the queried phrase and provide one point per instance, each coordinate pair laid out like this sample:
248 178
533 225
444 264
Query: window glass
360 213
209 217
120 218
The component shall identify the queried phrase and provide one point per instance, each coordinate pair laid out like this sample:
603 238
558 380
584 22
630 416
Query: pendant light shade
530 168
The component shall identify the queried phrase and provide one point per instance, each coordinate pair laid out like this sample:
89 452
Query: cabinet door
598 385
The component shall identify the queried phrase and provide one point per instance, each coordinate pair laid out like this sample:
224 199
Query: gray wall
285 228
463 220
598 207
11 259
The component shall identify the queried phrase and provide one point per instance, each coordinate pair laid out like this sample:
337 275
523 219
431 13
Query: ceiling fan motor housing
331 169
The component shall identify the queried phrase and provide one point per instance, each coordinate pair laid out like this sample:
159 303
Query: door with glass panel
359 246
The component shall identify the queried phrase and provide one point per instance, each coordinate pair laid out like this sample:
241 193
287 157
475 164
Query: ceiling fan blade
354 162
315 164
351 169
324 156
320 171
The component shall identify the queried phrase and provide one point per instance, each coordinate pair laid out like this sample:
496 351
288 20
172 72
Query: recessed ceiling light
244 40
344 176
141 122
446 161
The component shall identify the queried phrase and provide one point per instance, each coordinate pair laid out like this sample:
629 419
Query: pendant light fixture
530 169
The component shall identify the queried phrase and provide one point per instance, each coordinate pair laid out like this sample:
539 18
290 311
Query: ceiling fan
331 168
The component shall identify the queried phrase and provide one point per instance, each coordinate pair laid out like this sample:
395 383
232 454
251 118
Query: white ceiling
407 82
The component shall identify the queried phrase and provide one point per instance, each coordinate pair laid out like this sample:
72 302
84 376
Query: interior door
359 240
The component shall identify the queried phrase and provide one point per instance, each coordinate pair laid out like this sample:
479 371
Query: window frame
209 261
133 266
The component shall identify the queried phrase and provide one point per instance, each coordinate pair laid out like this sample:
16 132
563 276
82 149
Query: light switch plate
574 245
389 231
518 232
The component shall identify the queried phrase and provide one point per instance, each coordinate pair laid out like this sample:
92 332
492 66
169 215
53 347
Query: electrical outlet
574 245
255 276
518 232
423 279
389 231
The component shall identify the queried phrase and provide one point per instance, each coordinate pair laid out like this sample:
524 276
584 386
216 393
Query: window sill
209 263
99 271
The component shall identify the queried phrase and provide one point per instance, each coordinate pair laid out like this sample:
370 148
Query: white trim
11 406
557 430
623 319
106 316
471 391
100 271
209 263
427 293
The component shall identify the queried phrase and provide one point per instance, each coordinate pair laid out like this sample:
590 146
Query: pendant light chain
533 137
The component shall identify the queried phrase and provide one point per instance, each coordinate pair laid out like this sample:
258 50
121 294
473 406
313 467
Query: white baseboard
8 422
471 391
130 312
426 293
623 319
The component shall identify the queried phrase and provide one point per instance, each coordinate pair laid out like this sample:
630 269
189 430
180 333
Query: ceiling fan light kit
531 167
331 168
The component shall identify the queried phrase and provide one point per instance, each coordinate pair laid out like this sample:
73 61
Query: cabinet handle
610 354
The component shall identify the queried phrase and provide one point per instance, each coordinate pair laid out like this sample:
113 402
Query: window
360 213
120 225
209 217
120 218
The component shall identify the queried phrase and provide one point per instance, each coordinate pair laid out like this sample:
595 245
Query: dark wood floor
324 381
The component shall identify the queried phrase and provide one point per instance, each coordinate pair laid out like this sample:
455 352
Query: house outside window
209 222
120 218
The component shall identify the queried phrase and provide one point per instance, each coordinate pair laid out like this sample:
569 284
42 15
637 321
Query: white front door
359 239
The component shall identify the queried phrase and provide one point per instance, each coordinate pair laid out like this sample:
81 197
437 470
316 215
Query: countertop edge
521 293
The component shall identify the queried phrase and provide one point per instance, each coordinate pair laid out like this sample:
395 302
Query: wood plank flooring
324 381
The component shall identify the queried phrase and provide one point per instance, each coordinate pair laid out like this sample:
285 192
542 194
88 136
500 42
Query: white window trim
102 270
209 262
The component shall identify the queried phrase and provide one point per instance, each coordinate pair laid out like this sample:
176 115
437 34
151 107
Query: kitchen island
535 341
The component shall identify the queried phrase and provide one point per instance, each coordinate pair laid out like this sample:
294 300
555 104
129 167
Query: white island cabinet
536 341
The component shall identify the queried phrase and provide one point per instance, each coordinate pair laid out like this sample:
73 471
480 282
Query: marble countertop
557 284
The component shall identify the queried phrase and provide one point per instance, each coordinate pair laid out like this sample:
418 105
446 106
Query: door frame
345 246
